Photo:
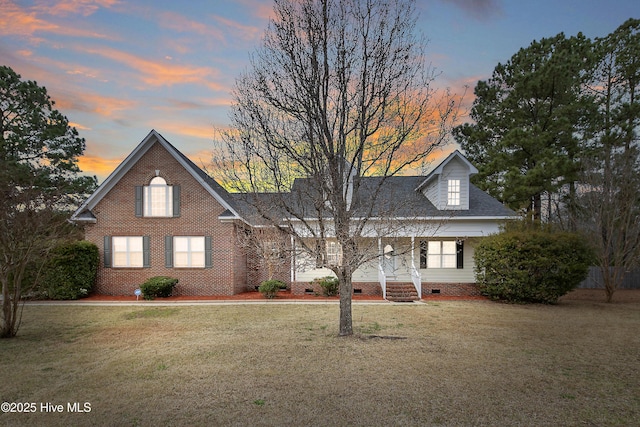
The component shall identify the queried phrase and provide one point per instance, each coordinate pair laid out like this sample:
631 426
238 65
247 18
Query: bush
70 273
269 288
531 266
158 287
330 285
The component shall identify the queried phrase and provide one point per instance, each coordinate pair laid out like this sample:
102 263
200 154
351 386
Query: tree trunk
8 314
346 318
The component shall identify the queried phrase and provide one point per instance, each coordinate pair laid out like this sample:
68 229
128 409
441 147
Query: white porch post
381 277
415 273
293 260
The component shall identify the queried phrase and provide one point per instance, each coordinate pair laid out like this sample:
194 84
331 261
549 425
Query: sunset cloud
179 23
27 22
73 7
160 73
98 165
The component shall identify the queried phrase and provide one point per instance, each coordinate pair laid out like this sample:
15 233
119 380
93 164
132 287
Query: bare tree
339 90
611 203
268 251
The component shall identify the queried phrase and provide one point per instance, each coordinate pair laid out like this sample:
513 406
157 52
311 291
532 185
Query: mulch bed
282 295
622 295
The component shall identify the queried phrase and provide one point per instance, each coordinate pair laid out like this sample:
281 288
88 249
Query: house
158 214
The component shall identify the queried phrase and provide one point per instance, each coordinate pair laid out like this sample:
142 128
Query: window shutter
107 251
208 262
146 251
459 253
176 200
423 254
138 201
168 251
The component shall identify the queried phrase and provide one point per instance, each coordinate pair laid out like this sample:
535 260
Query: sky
119 68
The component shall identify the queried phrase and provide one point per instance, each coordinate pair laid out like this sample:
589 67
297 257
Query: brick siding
199 211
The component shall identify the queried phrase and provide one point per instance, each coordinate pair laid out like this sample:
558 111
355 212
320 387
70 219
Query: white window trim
128 253
189 252
453 192
148 199
438 258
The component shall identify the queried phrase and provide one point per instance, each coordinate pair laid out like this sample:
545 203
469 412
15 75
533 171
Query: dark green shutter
168 251
208 252
423 253
107 251
459 253
139 204
146 251
176 200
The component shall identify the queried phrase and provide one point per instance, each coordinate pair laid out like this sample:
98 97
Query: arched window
158 198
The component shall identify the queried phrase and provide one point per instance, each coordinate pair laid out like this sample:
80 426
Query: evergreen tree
527 119
38 180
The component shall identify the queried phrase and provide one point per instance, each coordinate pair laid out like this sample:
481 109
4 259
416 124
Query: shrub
158 287
329 284
70 273
526 266
269 288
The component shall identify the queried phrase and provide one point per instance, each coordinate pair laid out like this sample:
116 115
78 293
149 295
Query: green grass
454 363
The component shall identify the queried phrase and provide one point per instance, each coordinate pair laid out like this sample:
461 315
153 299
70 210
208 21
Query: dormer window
453 192
158 199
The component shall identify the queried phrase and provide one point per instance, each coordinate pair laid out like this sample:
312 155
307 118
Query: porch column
293 259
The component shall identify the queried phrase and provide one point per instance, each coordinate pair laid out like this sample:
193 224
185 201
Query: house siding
115 216
455 169
458 280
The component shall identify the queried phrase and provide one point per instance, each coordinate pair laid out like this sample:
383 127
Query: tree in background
38 182
339 90
610 201
523 138
563 116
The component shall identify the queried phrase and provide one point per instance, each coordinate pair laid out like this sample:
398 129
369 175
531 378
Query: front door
389 262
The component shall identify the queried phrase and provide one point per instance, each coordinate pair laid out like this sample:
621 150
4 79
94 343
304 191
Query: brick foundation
373 288
450 289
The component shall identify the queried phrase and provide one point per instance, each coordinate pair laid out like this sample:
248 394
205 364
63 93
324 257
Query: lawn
439 363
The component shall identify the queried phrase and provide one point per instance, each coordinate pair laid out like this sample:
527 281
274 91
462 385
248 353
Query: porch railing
416 279
383 281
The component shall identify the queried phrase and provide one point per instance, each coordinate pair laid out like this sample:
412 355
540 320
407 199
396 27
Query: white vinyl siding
454 186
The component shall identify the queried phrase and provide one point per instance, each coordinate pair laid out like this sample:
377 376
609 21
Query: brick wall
450 289
115 215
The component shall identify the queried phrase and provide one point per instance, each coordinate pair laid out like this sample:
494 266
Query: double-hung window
453 192
334 253
188 252
441 254
126 251
158 199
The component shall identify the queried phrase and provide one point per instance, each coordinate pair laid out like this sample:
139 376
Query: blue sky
119 68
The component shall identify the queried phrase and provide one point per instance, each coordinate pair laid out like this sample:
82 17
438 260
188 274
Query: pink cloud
160 73
27 22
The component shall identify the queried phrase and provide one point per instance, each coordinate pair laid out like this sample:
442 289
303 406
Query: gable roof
83 213
398 196
440 168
